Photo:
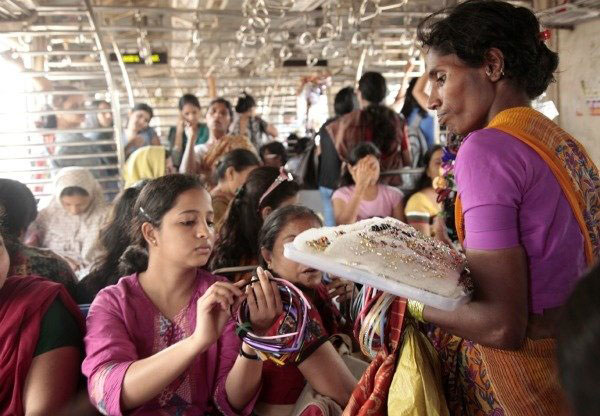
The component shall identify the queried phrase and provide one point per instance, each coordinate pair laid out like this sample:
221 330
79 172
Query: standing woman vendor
527 212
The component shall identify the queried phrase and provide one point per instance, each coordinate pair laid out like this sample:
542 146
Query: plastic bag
416 388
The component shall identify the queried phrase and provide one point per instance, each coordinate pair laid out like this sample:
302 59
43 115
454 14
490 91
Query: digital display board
135 58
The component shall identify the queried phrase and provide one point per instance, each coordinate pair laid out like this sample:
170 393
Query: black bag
306 172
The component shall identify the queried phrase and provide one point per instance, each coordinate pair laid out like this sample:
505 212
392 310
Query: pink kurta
124 326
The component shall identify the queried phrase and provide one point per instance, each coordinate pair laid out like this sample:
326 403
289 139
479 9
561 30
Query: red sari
23 304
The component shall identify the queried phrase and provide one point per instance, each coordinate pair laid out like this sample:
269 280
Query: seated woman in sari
161 340
527 209
40 343
317 363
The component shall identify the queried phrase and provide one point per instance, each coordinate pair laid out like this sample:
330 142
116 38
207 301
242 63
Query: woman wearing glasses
265 190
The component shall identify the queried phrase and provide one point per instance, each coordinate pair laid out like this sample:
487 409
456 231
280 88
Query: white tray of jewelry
388 255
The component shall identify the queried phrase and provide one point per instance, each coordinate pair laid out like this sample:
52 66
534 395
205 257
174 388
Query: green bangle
415 309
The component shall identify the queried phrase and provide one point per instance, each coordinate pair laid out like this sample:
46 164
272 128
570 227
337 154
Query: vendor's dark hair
376 116
114 240
245 102
143 107
577 345
188 99
357 153
345 101
238 236
239 159
276 221
471 28
19 206
154 201
74 191
224 102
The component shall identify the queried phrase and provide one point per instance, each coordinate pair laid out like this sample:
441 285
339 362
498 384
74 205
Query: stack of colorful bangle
277 348
369 327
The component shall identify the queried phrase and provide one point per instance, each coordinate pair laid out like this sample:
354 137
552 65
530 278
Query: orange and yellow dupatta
571 165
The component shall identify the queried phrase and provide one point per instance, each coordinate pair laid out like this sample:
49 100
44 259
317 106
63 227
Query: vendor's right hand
213 312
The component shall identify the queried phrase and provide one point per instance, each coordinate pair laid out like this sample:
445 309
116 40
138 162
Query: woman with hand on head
188 125
162 340
247 123
317 363
138 132
218 119
527 209
360 196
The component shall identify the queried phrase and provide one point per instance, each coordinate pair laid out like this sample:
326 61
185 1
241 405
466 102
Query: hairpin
145 215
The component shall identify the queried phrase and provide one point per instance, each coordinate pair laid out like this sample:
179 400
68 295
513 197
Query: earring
154 242
488 72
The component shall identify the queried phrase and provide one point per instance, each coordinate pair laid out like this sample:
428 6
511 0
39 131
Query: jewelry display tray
378 282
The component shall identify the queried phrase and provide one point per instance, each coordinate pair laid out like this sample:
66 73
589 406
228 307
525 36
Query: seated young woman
423 211
70 224
265 190
114 240
231 172
317 363
161 341
40 343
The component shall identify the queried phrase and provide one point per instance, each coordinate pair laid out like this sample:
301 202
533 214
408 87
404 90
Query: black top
330 164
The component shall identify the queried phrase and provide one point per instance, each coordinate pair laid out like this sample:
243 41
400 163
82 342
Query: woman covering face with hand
162 340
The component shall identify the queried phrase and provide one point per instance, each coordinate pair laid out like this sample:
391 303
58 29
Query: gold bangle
415 309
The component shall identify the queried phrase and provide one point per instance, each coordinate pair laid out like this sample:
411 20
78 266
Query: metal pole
125 74
115 104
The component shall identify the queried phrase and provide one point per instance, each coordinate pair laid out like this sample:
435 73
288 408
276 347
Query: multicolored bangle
279 347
